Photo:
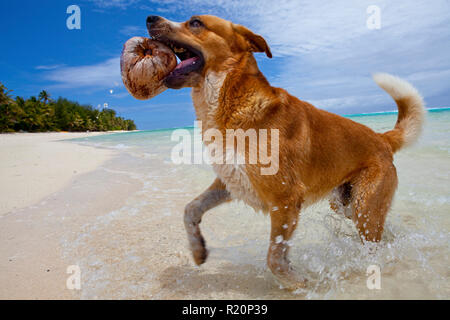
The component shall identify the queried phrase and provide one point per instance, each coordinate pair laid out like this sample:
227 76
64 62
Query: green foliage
44 114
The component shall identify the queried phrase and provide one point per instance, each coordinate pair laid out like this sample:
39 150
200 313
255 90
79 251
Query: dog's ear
256 42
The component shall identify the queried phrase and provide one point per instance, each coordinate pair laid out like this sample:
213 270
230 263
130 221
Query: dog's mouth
190 58
190 61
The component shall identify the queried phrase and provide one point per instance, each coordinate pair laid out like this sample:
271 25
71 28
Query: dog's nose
151 20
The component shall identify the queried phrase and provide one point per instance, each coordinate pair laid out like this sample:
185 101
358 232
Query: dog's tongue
187 62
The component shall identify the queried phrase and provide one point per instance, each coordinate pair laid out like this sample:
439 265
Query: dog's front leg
283 224
212 197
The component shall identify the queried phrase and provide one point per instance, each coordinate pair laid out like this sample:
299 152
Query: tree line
40 114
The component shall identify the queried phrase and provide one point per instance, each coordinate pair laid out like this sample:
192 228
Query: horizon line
377 113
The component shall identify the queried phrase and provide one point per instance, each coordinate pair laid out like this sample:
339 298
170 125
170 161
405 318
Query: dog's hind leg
372 194
213 196
283 224
340 200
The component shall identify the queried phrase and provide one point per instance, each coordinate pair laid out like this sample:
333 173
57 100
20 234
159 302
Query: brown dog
319 152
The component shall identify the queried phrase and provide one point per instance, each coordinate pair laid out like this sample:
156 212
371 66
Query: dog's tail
411 110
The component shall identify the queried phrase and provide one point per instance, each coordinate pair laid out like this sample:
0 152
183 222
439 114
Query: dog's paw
200 255
297 285
291 280
198 249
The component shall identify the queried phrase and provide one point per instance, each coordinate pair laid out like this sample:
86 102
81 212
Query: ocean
140 251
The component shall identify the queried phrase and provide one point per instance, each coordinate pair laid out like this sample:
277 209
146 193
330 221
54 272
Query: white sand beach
33 167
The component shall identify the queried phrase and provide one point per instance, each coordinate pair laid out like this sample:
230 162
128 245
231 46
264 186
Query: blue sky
323 51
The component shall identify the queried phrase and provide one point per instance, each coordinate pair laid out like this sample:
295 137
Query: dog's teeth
179 50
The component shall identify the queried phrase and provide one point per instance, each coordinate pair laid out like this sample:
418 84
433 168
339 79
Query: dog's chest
238 183
206 99
234 176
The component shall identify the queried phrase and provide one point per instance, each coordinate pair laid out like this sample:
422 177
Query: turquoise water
151 248
379 122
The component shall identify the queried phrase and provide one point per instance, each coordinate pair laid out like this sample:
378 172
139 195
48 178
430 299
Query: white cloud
123 4
102 75
295 27
49 67
327 52
131 31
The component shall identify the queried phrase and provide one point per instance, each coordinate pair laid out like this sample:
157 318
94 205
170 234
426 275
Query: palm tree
42 114
5 96
44 96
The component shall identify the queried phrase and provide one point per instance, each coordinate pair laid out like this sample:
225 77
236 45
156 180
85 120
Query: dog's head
203 43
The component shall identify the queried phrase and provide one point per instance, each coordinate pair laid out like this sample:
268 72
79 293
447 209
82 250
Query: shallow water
140 250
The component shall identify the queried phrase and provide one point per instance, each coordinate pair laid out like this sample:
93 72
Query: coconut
144 64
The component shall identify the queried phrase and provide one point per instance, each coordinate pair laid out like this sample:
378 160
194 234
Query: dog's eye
195 23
